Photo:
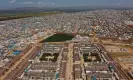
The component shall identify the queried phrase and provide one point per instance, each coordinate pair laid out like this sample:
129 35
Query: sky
6 4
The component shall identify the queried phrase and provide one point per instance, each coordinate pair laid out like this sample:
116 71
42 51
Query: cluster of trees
86 59
43 58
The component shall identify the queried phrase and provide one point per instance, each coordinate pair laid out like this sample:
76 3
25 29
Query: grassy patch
58 38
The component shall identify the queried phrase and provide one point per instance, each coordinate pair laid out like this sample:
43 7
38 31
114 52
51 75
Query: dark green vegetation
45 55
58 38
86 59
25 15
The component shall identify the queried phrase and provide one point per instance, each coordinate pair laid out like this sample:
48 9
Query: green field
58 38
25 15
